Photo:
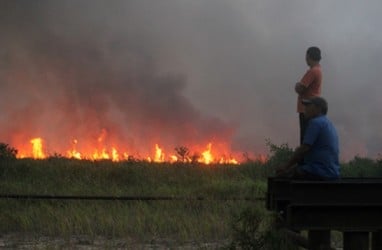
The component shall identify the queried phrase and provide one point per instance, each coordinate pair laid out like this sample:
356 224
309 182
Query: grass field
216 218
205 220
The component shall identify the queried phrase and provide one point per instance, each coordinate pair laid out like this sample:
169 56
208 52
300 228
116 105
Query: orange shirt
312 80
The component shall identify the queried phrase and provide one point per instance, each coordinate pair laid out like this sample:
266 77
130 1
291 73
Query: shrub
255 228
362 167
183 153
7 152
278 155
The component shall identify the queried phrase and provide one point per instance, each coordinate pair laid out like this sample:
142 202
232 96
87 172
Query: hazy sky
213 68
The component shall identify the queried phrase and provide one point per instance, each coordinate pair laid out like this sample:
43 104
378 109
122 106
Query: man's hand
282 169
297 156
280 172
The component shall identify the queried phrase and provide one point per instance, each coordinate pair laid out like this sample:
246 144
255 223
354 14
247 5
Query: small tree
183 153
7 152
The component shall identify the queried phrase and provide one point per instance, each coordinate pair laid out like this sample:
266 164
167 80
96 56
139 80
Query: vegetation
218 218
7 152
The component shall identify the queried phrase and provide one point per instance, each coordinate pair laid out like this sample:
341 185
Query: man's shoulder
320 120
322 123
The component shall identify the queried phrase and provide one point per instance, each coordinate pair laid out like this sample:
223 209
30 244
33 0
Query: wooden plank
282 191
356 241
376 240
278 193
319 239
338 192
335 217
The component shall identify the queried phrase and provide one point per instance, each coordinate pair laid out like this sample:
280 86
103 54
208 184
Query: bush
362 167
246 230
7 152
278 155
255 228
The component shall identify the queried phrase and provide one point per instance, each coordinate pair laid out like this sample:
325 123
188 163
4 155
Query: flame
101 151
159 155
230 160
207 157
173 158
114 154
73 153
100 155
37 151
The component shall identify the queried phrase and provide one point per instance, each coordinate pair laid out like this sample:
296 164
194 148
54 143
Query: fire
114 154
101 151
207 157
159 155
37 151
74 153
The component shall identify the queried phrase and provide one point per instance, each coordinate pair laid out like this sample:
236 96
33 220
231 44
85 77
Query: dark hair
321 103
324 110
314 53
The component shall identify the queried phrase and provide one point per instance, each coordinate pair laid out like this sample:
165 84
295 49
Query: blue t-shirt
323 156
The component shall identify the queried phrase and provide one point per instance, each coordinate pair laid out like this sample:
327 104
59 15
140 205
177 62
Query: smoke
186 72
68 73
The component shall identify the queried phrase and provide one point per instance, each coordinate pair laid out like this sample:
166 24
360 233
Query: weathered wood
376 243
319 239
356 241
346 191
353 205
278 194
335 217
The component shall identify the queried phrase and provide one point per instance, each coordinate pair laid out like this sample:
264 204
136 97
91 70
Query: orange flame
74 153
100 151
37 151
114 154
207 157
159 155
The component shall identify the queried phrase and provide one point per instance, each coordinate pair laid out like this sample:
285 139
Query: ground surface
20 241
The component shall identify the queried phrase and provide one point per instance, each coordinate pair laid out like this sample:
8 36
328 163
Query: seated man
318 156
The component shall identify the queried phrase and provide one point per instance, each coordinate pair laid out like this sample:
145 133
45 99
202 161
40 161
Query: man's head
315 106
313 55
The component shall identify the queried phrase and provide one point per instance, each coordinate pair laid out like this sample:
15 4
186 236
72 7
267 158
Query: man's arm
299 88
297 156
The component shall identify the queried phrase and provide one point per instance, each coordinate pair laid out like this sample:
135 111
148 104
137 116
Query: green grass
64 177
212 219
135 220
182 220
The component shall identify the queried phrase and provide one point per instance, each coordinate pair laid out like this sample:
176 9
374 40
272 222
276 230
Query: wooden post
319 239
356 240
376 239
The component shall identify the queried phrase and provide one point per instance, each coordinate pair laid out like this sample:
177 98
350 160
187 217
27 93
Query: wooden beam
356 241
336 217
376 240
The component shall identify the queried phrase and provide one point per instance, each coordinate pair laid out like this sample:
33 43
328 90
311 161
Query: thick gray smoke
183 72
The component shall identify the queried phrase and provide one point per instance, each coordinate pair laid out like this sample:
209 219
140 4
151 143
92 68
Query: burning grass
220 154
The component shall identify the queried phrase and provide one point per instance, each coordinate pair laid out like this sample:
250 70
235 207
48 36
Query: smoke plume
185 72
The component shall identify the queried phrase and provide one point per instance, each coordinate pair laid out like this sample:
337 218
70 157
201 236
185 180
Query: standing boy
309 85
